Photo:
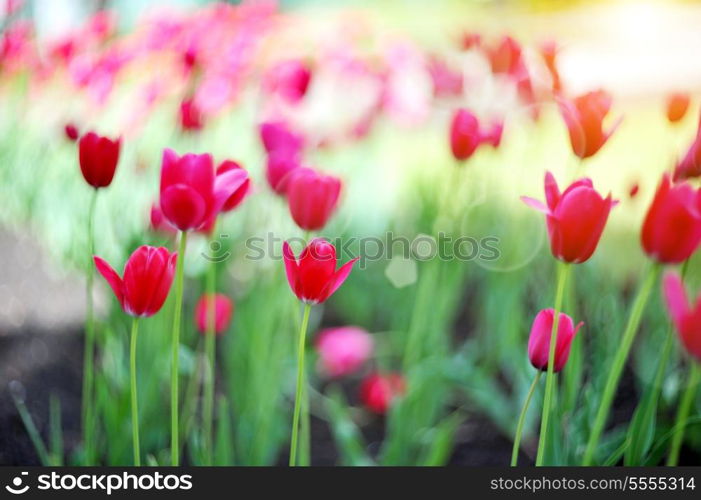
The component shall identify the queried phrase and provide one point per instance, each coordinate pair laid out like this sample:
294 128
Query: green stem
522 419
209 347
134 396
563 272
683 414
300 382
89 353
179 268
305 424
619 361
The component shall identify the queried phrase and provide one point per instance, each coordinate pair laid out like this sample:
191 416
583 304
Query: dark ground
50 362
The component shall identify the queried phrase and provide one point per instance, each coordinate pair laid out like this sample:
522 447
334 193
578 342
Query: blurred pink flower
343 350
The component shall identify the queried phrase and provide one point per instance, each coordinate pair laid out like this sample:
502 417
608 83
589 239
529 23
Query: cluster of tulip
193 194
220 56
575 221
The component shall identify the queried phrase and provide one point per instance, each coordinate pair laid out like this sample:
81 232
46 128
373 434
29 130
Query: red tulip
686 318
191 194
470 40
584 118
71 132
239 193
148 275
289 80
378 392
465 136
677 106
506 56
539 340
343 350
98 159
575 218
312 198
314 278
277 137
279 169
190 116
672 227
223 310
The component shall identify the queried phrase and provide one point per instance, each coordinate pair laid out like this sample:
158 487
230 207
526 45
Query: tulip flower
539 352
191 197
575 218
506 56
191 119
191 194
539 341
280 167
313 279
686 317
148 275
219 306
312 198
98 159
289 80
71 132
584 118
379 391
277 137
465 136
244 184
677 106
343 350
672 228
687 321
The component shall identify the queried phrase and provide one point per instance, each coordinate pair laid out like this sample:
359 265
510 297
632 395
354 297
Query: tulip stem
89 354
522 419
683 413
563 272
300 382
619 362
179 268
209 347
134 398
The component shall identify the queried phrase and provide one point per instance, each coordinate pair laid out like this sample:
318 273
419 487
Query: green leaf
441 446
346 434
224 440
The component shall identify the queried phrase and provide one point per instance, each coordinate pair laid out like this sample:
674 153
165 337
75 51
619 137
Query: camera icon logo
16 488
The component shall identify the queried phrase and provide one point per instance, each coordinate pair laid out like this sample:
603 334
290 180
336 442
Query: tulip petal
112 278
226 186
183 206
675 296
339 277
552 191
537 204
291 266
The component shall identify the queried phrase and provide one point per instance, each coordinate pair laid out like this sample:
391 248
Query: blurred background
383 79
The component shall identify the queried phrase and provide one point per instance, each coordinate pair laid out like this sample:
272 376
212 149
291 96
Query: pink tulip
343 350
686 318
539 340
312 198
223 310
